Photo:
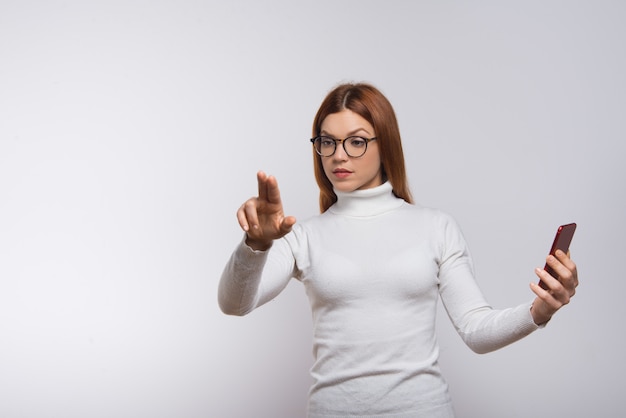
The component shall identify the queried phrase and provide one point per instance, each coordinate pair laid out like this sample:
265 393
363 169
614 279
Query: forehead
346 123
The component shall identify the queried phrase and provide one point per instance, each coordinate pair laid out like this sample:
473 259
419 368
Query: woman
374 265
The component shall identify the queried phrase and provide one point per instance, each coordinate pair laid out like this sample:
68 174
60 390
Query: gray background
131 131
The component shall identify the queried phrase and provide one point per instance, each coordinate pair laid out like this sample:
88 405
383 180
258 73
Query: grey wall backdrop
131 131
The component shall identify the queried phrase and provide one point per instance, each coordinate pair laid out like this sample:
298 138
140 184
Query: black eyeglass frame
343 144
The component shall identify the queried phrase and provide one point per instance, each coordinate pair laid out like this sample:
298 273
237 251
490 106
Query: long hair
369 103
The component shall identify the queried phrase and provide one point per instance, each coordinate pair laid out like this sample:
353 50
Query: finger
545 305
547 299
555 296
261 178
560 294
565 270
568 272
251 215
538 290
273 192
287 224
559 271
241 218
566 260
548 280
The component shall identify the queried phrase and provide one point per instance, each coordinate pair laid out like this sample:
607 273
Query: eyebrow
351 133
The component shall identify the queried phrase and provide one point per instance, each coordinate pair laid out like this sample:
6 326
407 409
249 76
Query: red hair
369 103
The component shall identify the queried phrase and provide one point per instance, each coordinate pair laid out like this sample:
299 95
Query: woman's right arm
253 275
252 278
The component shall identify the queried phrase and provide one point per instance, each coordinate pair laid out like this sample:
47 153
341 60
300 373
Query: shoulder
436 215
436 223
302 229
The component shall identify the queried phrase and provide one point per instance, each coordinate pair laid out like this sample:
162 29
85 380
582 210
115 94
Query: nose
340 152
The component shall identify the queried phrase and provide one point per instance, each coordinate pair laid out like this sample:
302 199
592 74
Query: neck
367 202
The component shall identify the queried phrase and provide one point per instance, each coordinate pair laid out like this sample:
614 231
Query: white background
131 131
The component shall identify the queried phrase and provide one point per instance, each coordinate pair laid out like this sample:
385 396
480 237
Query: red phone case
562 241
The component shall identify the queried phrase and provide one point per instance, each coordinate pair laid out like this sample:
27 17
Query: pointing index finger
262 181
273 193
268 188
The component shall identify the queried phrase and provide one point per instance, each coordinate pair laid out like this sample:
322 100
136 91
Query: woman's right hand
262 217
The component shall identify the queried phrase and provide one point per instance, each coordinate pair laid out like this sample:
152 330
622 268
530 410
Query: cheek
325 166
374 163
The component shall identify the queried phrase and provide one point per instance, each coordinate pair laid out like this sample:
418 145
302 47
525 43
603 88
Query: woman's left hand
559 290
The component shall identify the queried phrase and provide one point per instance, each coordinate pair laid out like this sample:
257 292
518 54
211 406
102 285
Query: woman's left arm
560 290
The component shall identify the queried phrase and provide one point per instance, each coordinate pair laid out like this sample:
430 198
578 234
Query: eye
357 141
327 142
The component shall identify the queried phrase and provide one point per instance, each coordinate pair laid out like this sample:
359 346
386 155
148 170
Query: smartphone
562 241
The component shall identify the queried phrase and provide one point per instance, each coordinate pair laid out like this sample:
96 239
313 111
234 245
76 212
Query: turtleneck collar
367 202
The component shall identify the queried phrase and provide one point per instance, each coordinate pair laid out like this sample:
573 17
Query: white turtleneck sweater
373 267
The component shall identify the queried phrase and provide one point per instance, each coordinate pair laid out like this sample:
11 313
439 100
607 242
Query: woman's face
351 173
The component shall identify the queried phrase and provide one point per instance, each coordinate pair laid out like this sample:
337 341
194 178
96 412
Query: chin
345 187
348 186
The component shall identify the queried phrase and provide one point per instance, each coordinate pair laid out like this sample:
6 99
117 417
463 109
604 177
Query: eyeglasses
355 146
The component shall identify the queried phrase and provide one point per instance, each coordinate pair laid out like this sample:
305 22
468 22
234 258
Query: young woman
374 265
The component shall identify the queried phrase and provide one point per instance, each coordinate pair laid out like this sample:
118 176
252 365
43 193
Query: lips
341 172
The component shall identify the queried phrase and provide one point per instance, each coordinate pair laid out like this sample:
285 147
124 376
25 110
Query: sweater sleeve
251 278
481 327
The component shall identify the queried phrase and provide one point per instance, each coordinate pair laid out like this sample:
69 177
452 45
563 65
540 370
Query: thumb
287 223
